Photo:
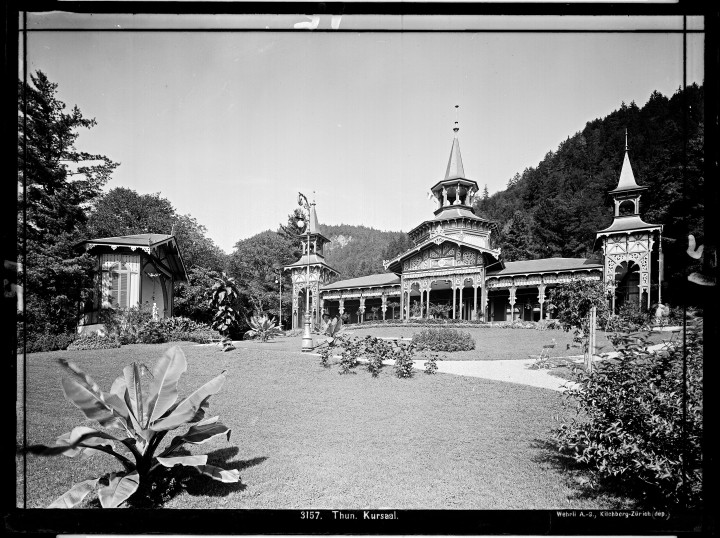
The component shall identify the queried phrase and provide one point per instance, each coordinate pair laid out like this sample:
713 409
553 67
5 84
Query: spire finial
626 140
457 119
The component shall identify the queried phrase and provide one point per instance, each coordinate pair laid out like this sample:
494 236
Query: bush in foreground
46 342
629 428
94 341
443 339
143 412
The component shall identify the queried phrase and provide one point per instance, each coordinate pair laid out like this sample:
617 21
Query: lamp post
307 343
278 280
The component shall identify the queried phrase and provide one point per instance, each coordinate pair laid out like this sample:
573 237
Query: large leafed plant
142 406
263 328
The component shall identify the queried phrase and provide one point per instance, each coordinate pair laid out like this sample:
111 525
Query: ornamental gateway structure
456 261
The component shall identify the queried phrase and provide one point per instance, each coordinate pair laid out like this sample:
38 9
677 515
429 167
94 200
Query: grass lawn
305 437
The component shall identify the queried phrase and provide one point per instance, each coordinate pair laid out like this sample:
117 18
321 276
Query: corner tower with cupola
310 272
628 245
452 250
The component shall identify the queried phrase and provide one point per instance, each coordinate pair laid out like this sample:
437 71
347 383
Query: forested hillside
556 208
358 250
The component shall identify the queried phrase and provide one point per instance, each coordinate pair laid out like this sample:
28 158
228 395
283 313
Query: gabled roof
173 257
545 265
380 279
433 240
135 240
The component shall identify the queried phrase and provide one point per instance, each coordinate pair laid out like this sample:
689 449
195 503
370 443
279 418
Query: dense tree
57 184
256 264
564 197
516 239
397 245
124 211
197 249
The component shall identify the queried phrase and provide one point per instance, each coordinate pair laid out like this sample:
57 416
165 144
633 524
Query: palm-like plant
263 327
143 412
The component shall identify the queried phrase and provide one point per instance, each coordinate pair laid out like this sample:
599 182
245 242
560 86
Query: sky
229 126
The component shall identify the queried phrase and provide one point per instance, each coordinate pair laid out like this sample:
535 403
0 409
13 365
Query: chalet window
120 280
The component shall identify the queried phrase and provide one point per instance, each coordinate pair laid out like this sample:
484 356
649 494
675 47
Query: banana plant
263 328
142 407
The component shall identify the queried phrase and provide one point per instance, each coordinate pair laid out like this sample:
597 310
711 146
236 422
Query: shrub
431 365
376 351
631 317
443 339
262 328
548 325
629 422
152 332
352 349
404 360
94 341
140 412
125 324
46 342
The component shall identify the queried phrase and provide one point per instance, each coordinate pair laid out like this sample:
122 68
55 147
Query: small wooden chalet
133 271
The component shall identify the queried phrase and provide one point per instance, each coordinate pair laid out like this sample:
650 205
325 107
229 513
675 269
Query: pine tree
57 186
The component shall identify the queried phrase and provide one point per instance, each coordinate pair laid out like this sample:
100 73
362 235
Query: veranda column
341 306
454 289
475 286
541 299
322 309
361 310
422 304
483 291
461 299
512 303
384 305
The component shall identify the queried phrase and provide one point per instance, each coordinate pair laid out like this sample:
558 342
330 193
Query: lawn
305 437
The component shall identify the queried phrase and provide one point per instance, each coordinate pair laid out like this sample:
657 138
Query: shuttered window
120 278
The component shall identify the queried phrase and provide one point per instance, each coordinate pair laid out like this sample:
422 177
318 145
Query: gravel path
513 371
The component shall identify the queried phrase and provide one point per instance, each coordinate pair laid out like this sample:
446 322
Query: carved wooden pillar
384 305
475 287
454 290
483 294
462 285
512 303
541 298
341 306
361 310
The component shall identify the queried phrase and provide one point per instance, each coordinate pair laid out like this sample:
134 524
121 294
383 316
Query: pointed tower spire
627 178
313 224
455 165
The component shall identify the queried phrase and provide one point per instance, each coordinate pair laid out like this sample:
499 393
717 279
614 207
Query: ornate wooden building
456 262
132 271
310 273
